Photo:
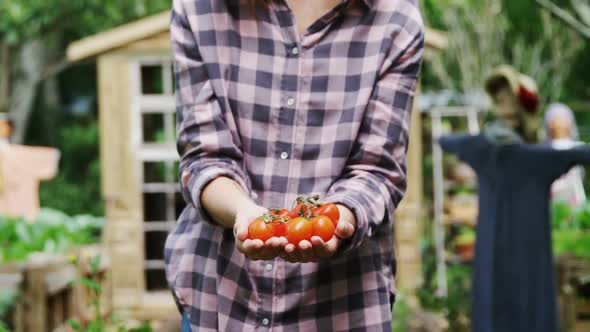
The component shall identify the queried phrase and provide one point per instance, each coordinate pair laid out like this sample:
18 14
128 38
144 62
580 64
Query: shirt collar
369 3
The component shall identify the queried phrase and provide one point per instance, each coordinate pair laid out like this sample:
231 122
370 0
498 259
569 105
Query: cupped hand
316 249
255 249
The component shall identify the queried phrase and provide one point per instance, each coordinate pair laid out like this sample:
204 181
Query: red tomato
283 213
298 229
258 229
323 227
300 210
330 210
315 212
279 228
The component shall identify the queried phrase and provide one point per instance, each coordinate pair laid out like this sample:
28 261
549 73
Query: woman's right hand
255 249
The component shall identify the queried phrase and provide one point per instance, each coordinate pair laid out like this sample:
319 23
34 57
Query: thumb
344 230
241 228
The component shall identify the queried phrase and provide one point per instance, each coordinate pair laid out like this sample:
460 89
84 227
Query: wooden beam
118 37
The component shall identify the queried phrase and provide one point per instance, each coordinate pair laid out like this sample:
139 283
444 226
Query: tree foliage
22 20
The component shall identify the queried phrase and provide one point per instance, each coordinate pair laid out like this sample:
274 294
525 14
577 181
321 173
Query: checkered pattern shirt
282 114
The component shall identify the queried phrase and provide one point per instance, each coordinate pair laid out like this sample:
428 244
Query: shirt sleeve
558 162
468 148
374 179
204 142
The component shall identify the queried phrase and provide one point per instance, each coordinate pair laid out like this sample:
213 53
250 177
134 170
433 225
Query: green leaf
75 325
91 284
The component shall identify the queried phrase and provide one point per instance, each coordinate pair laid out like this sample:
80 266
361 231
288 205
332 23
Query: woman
562 133
304 97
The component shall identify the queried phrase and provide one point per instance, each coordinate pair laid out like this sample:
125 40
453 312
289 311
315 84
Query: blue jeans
186 326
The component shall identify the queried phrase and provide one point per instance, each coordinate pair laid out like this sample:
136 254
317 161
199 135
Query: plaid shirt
283 114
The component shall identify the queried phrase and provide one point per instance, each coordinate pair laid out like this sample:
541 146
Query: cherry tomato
300 210
330 210
258 229
283 213
298 229
279 228
323 227
315 211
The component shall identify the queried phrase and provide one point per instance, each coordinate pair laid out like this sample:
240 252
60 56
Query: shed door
154 139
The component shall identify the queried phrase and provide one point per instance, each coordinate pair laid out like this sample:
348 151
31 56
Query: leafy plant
571 229
76 189
467 236
456 306
53 231
401 312
7 299
98 322
573 242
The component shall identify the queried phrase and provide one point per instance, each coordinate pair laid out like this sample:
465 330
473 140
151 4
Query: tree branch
5 58
566 17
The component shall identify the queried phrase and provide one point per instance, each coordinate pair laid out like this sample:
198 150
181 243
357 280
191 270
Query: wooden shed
140 168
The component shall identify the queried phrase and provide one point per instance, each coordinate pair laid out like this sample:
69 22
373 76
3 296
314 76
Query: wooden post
121 190
408 224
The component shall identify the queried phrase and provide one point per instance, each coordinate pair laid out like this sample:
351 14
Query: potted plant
464 244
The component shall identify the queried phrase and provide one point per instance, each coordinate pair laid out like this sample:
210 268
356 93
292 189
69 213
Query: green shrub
53 231
76 188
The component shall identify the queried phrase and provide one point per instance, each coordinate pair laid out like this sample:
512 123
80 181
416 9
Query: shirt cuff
194 184
362 224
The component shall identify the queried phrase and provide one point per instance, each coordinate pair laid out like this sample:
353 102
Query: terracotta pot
465 250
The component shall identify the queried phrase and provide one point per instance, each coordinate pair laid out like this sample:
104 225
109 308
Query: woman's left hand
317 249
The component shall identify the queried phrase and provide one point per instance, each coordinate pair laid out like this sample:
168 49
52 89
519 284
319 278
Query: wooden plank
157 104
158 226
109 103
155 264
157 187
155 305
159 42
36 297
409 213
118 37
11 280
58 280
127 257
158 152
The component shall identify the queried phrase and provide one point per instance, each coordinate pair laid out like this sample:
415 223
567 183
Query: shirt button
284 155
295 50
265 321
269 267
290 101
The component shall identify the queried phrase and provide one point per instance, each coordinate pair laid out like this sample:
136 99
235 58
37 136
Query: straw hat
523 86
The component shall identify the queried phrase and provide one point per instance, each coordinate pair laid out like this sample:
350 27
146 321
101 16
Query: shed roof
146 27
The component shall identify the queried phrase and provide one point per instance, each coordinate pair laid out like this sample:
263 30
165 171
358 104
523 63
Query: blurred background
93 80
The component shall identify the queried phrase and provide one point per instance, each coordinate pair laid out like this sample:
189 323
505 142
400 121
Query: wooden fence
47 295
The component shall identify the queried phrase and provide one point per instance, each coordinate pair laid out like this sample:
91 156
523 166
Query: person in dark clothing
513 278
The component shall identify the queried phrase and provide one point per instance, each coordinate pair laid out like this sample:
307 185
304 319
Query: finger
241 230
273 247
250 246
306 251
289 248
344 230
320 248
283 241
290 254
